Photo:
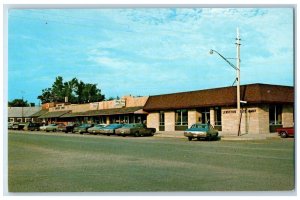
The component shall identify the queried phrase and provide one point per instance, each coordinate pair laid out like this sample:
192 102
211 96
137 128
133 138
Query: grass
40 162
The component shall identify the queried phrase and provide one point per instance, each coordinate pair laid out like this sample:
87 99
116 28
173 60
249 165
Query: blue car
110 129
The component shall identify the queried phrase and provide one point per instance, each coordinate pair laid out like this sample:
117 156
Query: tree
18 103
76 91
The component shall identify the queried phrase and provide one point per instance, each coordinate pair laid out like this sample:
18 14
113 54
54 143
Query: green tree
18 103
76 91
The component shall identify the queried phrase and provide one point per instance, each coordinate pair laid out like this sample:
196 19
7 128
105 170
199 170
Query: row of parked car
135 129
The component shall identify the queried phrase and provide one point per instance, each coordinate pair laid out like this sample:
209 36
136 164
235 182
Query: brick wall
192 117
287 116
170 121
153 120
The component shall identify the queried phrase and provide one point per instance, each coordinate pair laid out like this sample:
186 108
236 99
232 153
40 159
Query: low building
22 114
128 109
268 107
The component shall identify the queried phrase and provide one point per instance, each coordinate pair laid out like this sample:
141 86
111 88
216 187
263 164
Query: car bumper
195 135
199 135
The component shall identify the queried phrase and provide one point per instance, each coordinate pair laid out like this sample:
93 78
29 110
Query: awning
53 114
115 111
39 113
76 114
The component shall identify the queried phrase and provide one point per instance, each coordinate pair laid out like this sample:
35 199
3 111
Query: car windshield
85 125
203 127
128 126
115 126
99 126
52 125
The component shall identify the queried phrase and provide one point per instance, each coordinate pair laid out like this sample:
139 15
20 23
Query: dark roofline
255 93
207 89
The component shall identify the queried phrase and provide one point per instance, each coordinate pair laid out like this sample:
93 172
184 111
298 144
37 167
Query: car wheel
54 130
283 134
152 133
198 138
190 138
136 134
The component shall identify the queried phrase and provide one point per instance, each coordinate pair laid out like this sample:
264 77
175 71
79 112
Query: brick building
267 107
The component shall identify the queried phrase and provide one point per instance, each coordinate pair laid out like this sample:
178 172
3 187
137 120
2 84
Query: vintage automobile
51 127
70 127
135 129
33 126
82 128
199 131
96 129
110 129
13 125
61 127
285 132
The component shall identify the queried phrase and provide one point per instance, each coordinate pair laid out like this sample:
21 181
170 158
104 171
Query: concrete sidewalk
179 134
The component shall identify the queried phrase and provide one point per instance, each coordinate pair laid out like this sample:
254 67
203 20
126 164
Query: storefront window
205 115
162 118
181 117
218 119
275 115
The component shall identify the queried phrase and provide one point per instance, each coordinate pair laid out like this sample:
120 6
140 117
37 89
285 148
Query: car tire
136 134
283 134
151 133
190 138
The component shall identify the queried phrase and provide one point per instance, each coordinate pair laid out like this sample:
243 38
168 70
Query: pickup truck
135 129
285 132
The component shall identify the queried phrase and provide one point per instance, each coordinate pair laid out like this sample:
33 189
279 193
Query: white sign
119 103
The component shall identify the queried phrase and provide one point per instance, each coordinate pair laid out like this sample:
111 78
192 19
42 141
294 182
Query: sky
147 51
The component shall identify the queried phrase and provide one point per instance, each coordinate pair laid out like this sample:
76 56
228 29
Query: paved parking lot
59 162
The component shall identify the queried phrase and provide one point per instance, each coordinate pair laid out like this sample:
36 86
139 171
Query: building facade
266 107
22 114
128 109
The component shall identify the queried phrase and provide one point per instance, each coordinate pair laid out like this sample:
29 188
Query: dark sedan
110 129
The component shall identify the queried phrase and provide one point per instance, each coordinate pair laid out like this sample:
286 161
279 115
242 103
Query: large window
162 118
218 119
205 115
181 117
275 115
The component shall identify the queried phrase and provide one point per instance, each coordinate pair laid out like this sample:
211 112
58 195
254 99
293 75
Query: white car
43 128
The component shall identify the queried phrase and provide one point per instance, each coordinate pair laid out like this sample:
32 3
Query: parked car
199 131
43 127
17 126
33 126
82 128
96 129
136 129
61 127
285 132
51 127
110 129
13 125
70 127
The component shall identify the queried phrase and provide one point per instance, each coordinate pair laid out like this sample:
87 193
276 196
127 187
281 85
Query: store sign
94 105
119 103
242 111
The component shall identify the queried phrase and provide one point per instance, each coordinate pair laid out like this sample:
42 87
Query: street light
237 68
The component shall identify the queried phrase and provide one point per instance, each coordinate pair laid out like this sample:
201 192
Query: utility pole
238 44
237 68
22 106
